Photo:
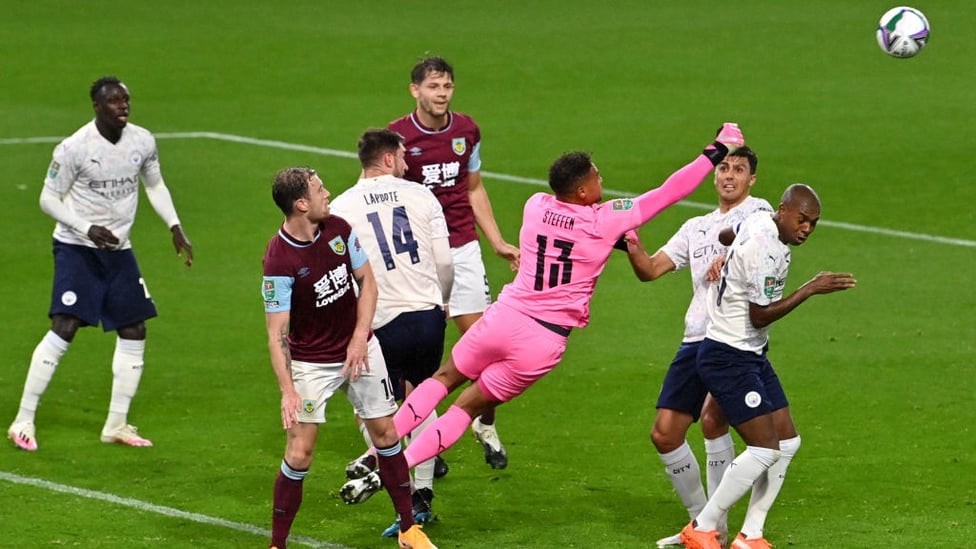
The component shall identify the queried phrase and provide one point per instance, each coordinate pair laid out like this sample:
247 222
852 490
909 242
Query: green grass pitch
880 378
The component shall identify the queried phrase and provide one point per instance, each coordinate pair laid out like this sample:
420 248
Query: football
903 32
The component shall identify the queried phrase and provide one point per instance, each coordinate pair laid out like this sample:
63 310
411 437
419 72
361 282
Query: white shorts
470 293
370 395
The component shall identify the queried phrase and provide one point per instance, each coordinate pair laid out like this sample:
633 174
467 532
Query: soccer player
566 240
92 191
696 246
444 154
733 366
320 342
402 229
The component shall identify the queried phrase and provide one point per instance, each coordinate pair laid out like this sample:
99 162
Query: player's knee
135 331
714 425
665 439
382 432
65 326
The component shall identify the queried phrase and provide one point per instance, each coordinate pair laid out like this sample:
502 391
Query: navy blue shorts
97 285
743 383
682 389
413 346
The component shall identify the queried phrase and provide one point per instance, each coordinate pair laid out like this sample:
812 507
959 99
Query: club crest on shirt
622 204
308 405
53 171
135 159
769 286
459 145
269 290
337 245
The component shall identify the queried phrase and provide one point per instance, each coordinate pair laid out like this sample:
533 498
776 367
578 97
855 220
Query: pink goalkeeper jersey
566 246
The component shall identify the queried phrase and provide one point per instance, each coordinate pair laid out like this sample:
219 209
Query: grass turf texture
879 377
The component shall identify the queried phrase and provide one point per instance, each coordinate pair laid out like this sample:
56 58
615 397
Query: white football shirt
396 221
99 180
696 246
755 272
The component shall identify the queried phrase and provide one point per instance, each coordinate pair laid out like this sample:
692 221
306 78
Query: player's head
110 99
798 214
299 192
430 65
735 175
432 85
382 150
575 178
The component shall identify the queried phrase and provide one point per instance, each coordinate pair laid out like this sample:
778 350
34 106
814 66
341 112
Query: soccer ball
903 31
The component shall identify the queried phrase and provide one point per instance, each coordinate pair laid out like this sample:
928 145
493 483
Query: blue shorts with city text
96 285
743 383
413 345
682 389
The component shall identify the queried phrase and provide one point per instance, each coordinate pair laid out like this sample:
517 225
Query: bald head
798 193
798 214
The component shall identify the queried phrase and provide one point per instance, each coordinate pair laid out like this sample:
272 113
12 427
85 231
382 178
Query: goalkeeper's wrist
716 152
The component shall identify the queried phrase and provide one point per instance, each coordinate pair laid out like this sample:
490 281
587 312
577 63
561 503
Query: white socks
685 475
745 469
719 454
423 473
126 373
766 489
43 363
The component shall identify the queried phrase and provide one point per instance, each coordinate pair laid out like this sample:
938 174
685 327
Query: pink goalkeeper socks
438 436
418 406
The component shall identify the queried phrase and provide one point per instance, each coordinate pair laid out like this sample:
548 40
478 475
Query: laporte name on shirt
558 220
376 198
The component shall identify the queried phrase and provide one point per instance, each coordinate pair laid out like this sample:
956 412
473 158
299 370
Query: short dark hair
568 171
374 143
289 185
749 155
428 65
97 85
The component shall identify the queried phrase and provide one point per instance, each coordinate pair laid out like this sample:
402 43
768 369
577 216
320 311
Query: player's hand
730 136
291 404
509 253
102 237
182 244
827 282
715 269
356 359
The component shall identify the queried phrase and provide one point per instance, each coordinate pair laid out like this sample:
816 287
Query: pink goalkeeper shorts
506 351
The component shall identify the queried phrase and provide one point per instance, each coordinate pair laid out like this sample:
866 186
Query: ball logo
69 298
753 399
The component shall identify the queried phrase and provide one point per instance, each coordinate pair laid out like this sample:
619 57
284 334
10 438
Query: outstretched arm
823 283
682 182
646 267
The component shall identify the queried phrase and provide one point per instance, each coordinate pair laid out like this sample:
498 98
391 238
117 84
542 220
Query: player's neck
112 134
724 206
435 123
301 228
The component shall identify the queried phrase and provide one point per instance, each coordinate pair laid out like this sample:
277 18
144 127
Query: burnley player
566 240
320 342
444 153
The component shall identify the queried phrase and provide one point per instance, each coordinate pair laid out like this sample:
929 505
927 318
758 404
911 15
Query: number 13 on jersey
559 271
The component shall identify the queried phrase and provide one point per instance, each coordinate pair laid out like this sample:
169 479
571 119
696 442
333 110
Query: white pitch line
161 510
502 177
